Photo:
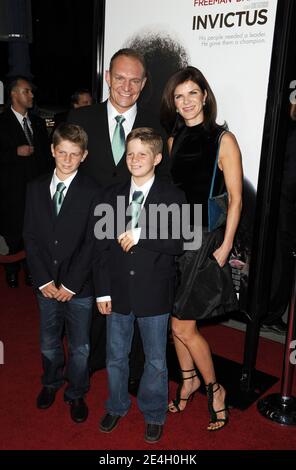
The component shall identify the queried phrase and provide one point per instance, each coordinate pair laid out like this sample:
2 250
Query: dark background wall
3 60
61 50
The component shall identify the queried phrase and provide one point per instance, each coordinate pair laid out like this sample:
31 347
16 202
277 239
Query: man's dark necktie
58 197
136 204
27 131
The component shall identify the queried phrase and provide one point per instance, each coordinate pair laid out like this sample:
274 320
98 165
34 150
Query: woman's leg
190 380
192 348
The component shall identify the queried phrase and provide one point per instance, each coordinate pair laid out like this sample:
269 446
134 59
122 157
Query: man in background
80 97
24 155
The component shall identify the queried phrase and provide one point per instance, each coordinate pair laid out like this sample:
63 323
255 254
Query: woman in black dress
205 290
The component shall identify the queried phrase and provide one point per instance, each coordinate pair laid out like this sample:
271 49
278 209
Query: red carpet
25 427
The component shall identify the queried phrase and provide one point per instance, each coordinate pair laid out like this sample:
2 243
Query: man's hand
63 295
50 291
24 150
105 307
126 240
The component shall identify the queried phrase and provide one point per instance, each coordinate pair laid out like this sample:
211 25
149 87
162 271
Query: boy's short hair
71 132
148 136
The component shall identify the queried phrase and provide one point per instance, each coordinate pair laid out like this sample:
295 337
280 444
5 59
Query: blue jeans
153 391
76 316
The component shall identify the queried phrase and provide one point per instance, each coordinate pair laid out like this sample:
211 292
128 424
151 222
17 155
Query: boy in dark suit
59 241
137 277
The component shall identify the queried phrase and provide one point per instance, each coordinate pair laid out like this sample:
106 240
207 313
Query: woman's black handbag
217 205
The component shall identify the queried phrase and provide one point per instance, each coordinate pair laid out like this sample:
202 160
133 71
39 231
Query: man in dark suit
59 241
126 79
136 282
24 154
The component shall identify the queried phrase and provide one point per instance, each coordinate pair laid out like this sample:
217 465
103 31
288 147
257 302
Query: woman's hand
221 254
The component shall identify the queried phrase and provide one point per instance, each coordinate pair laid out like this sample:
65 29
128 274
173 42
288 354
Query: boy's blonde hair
148 136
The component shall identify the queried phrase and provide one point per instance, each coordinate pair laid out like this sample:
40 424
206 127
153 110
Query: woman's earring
204 103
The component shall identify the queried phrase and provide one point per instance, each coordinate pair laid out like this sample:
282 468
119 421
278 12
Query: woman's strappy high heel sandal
174 406
213 413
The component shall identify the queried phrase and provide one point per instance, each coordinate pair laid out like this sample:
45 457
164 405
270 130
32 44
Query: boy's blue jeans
76 316
153 391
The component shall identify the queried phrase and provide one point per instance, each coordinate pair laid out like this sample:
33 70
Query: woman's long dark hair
169 118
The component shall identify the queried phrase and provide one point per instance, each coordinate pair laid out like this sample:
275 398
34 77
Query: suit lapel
16 127
153 195
126 194
34 125
107 133
46 200
138 121
120 209
152 198
71 194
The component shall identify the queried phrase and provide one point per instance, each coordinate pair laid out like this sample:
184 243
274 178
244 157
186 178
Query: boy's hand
105 307
126 240
63 295
49 291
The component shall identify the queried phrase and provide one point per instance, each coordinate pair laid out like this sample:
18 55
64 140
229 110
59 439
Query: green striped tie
137 199
58 197
118 140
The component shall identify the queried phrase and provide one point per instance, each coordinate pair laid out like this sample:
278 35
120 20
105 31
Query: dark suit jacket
142 280
16 172
99 163
60 248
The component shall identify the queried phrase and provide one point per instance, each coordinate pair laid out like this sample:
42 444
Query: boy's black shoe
153 432
109 422
46 397
78 410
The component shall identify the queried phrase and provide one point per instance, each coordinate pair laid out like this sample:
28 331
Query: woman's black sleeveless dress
204 290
